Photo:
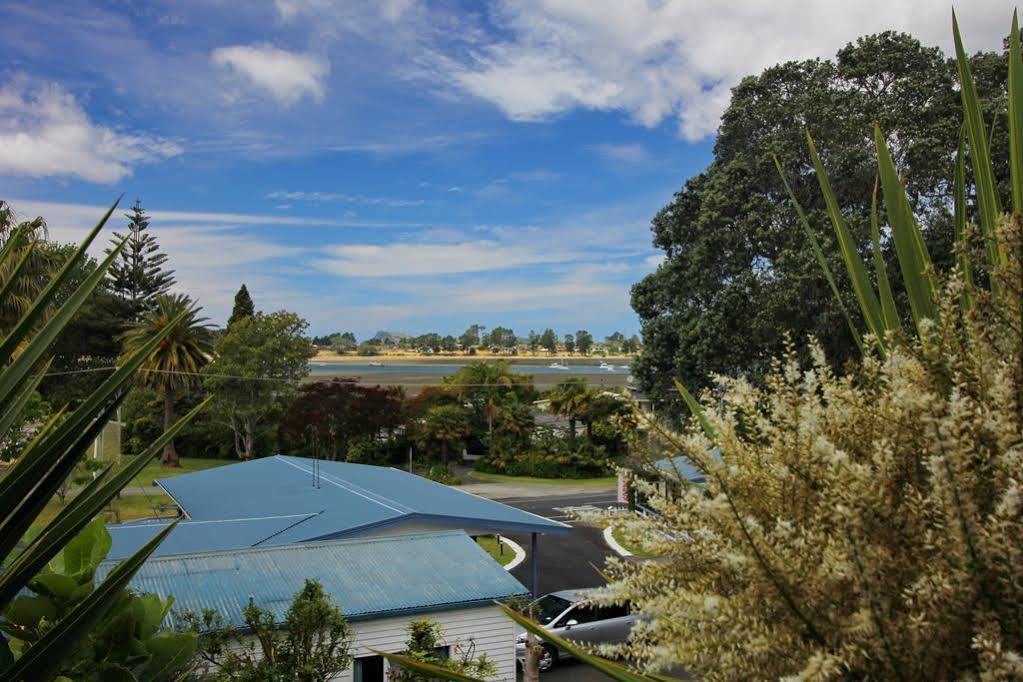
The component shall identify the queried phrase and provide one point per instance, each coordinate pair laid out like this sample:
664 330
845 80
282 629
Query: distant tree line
502 340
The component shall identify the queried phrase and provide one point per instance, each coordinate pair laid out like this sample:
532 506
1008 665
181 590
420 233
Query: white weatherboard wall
487 627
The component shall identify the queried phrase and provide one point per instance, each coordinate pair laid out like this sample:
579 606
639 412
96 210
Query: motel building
388 546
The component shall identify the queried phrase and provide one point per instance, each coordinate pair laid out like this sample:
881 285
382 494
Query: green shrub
443 474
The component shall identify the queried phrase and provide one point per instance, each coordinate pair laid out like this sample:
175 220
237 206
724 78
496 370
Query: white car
569 615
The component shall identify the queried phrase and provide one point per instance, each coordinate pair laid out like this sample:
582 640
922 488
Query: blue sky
400 165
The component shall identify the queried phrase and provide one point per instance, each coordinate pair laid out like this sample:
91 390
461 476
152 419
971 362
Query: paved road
566 561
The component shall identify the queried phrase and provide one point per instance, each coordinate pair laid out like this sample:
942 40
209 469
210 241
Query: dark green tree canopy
139 275
739 271
243 306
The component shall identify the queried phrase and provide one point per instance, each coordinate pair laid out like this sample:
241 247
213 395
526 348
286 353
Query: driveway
566 561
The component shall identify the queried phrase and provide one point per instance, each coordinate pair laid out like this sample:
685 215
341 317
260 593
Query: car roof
573 596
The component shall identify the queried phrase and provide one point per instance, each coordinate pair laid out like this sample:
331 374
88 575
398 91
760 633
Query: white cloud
85 215
44 132
628 154
675 59
285 76
403 259
321 197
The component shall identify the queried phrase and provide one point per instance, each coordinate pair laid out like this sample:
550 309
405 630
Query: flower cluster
863 525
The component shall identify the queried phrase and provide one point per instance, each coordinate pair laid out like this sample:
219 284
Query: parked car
570 615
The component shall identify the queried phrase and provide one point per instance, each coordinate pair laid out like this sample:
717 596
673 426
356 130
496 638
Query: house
283 500
667 475
381 584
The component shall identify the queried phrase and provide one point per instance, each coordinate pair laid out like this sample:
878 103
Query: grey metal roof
367 577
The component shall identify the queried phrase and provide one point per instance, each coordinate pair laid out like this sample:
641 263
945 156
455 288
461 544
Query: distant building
381 584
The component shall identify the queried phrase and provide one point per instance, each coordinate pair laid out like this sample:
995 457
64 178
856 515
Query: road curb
520 554
613 544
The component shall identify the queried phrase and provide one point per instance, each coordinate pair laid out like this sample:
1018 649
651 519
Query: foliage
549 341
174 366
500 337
243 306
425 645
29 484
139 277
312 644
871 525
444 426
257 363
488 388
739 271
91 341
327 417
548 455
441 473
584 341
569 344
27 269
570 399
126 645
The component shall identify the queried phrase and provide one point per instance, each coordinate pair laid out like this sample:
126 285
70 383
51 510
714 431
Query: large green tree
174 366
243 305
739 272
258 361
139 275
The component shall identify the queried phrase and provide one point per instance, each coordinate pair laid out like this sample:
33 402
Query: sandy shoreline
335 359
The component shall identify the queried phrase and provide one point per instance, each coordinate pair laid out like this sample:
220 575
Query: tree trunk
169 457
444 452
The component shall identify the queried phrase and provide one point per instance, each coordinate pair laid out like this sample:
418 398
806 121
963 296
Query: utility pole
410 459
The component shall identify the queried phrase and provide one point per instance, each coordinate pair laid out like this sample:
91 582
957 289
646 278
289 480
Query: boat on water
376 364
556 365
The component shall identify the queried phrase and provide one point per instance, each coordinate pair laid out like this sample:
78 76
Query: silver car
569 615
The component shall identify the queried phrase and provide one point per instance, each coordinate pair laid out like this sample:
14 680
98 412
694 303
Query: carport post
534 545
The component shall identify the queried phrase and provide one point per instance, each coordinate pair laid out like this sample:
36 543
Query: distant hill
386 337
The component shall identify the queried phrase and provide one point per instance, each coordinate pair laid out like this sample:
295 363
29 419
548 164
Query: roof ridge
345 484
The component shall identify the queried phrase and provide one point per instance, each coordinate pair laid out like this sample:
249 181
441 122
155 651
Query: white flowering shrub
862 526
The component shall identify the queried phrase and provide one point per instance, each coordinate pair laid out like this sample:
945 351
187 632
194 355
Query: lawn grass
636 551
493 548
606 482
124 509
153 470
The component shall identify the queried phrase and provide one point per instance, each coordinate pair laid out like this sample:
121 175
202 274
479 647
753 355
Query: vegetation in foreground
870 524
53 619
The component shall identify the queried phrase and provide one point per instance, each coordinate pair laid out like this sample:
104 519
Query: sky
400 164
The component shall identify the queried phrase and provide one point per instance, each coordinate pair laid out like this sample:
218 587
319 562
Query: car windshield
550 607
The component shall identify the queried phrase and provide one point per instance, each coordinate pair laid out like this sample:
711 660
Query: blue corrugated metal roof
199 536
367 577
680 466
350 499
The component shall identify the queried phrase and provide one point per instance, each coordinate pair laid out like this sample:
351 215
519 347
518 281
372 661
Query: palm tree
175 364
33 264
445 424
571 399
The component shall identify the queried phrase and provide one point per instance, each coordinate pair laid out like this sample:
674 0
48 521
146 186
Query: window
369 669
550 607
581 613
442 653
616 611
